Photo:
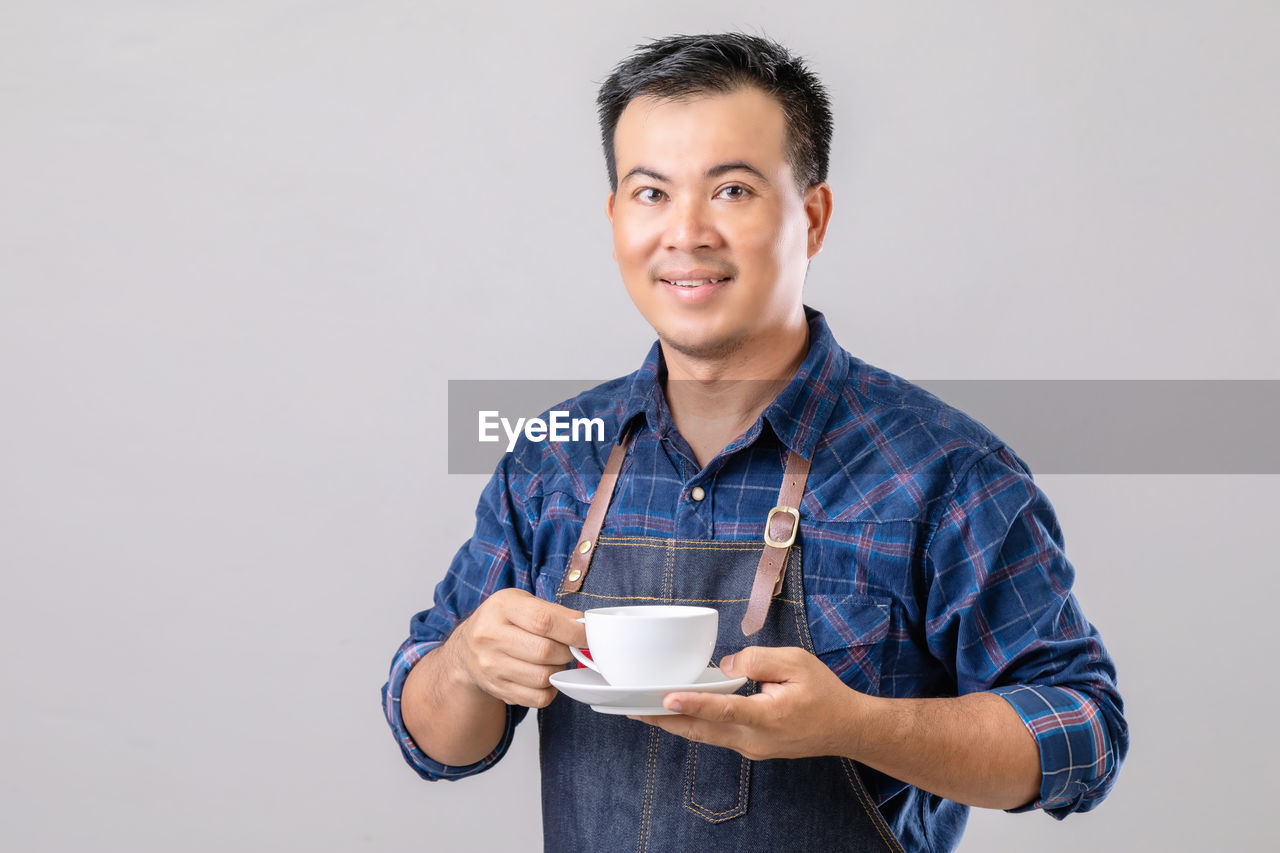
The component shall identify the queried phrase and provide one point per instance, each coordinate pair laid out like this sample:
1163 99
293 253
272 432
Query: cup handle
583 659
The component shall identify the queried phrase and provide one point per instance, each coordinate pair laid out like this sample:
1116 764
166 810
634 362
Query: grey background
243 247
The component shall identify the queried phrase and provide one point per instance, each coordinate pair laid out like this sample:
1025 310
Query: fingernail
727 664
675 705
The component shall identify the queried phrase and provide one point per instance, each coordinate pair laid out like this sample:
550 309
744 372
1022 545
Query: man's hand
803 709
973 749
511 646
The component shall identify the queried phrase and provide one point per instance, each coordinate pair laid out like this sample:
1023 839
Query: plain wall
244 246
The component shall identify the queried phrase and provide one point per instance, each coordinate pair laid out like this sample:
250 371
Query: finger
549 620
696 731
762 663
714 708
520 644
518 694
525 674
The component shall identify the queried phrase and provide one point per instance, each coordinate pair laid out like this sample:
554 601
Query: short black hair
683 66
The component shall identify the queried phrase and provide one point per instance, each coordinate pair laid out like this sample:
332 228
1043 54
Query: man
914 651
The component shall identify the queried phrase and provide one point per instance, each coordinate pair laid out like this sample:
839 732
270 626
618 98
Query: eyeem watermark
558 426
1087 426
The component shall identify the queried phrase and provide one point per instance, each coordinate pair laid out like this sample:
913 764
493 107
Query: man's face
710 233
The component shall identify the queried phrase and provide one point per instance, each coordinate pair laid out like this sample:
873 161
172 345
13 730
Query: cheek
763 244
632 242
781 243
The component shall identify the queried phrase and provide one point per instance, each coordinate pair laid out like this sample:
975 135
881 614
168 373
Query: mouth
692 284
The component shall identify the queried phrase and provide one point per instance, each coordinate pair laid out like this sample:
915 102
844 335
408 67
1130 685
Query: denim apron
610 783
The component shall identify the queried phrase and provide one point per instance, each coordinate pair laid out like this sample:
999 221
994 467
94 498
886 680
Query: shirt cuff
425 766
1076 760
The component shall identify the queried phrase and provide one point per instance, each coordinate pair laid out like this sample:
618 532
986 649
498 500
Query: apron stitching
855 781
690 770
656 598
644 800
647 809
623 538
683 544
877 819
668 579
801 617
664 540
671 575
699 807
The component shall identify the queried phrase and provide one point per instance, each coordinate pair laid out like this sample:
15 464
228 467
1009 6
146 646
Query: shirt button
697 493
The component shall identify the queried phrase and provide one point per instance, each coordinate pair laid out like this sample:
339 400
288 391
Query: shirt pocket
848 634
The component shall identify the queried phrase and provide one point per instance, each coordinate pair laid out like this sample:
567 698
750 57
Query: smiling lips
696 282
693 278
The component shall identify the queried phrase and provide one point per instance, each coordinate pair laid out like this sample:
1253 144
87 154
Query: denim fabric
610 783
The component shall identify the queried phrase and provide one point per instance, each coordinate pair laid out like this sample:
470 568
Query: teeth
695 282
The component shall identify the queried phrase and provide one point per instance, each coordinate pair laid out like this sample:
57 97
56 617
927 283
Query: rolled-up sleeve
1002 614
496 557
423 764
1077 757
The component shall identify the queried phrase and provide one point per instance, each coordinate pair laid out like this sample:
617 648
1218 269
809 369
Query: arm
1002 617
1038 711
971 749
447 716
455 699
457 688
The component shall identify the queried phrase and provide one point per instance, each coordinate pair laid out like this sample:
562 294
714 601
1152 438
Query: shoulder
893 451
570 457
874 394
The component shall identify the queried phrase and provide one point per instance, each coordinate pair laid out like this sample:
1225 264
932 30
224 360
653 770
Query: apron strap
580 560
780 528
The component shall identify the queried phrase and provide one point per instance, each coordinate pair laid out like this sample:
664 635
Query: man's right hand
512 644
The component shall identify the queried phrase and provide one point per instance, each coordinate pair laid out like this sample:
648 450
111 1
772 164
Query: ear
608 211
817 207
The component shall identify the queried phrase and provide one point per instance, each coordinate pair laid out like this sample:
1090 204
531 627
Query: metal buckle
795 526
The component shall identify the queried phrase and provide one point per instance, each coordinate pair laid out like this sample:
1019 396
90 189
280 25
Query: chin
703 348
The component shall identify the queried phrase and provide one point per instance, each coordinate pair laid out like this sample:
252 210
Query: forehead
689 134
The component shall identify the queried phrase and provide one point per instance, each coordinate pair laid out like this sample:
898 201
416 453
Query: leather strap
580 560
781 527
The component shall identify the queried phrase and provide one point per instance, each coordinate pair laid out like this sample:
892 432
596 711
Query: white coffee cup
649 645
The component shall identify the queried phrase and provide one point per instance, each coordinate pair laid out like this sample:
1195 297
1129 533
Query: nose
691 226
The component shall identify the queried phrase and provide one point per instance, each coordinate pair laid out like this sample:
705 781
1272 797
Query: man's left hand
803 709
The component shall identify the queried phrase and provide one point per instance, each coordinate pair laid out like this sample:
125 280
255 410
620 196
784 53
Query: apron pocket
848 634
717 782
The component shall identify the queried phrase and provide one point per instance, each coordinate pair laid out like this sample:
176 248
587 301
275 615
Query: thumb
760 663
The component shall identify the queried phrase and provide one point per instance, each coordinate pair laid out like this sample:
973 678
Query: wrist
870 723
460 676
454 676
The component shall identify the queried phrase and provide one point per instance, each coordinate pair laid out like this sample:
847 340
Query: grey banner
1058 426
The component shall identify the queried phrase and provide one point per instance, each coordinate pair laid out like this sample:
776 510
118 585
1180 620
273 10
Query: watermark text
558 426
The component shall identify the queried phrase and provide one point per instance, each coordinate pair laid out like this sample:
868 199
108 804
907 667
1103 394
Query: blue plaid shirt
933 564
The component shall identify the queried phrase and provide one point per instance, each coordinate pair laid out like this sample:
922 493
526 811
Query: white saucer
588 686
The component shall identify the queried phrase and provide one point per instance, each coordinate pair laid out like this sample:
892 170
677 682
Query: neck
713 401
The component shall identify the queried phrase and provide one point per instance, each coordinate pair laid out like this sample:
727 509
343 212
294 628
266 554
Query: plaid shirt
933 565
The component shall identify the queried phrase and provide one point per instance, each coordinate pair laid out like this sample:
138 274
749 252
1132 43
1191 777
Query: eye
735 192
649 195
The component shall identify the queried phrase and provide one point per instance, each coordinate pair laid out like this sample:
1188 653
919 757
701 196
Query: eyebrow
713 172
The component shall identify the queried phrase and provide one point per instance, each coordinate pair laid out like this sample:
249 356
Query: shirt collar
798 415
644 395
